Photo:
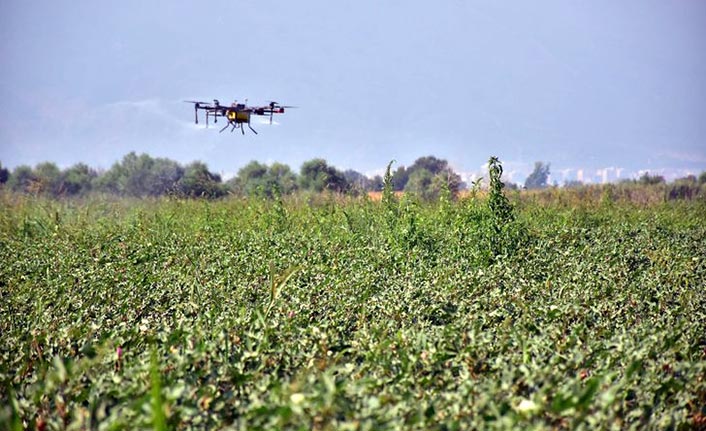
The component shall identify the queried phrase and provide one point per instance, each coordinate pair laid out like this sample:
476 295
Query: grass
323 312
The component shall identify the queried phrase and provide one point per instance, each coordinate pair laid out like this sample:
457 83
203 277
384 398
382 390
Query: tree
429 186
430 163
48 177
356 180
539 176
428 176
647 179
250 179
23 179
141 176
256 178
419 183
4 174
110 180
77 179
163 177
316 175
376 184
130 176
199 182
702 178
136 171
400 178
452 179
282 175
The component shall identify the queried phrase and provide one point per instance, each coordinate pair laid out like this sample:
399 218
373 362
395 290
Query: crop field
324 312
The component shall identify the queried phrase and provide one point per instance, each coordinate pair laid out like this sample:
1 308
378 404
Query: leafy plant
498 203
159 422
555 312
389 202
277 282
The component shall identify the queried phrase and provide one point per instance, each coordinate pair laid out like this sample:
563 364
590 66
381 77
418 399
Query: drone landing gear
236 125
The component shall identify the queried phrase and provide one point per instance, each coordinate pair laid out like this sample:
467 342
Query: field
330 313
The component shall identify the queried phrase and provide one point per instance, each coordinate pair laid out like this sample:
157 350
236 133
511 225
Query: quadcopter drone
237 114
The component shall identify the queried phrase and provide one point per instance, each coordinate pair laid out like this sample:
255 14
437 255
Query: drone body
237 114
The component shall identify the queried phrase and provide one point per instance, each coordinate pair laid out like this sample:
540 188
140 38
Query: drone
237 114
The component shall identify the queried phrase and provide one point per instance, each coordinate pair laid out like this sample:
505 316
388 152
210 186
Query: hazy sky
584 85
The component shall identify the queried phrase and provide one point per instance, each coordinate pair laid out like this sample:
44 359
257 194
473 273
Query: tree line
146 176
135 175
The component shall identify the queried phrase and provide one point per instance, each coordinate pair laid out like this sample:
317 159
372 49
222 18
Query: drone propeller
197 106
276 106
273 104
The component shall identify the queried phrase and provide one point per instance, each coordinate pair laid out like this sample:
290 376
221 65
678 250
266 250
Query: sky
599 89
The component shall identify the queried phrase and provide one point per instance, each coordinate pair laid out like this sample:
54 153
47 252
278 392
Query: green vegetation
428 179
550 310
